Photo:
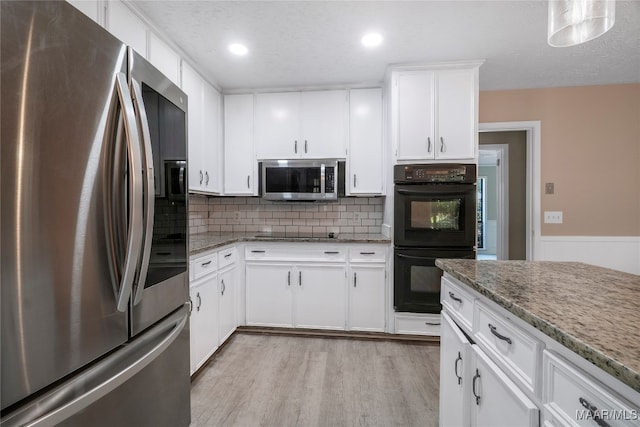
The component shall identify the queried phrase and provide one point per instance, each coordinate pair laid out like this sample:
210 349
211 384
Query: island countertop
593 311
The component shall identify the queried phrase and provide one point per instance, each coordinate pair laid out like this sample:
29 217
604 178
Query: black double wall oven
434 217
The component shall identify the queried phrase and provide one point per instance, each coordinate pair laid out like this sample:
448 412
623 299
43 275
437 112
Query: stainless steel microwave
300 180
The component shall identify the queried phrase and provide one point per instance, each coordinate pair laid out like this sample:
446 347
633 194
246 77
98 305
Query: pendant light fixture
572 22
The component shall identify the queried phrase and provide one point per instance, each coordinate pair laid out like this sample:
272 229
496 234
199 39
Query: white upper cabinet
164 58
278 125
324 124
364 167
204 118
125 25
301 125
91 8
212 137
435 114
239 163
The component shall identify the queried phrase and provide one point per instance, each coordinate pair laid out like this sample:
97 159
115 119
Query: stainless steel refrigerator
93 227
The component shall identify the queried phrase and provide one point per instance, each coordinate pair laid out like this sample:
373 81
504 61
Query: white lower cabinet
496 400
269 296
213 293
496 370
226 303
366 283
204 320
302 296
320 297
454 374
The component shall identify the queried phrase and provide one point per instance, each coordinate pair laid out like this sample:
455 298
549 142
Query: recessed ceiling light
371 39
238 49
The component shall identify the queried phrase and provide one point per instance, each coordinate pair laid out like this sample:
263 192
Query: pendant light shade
572 22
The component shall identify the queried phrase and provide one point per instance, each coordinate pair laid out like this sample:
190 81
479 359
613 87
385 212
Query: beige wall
590 149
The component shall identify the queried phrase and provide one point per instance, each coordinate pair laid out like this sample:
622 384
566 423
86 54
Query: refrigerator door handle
149 189
71 397
134 155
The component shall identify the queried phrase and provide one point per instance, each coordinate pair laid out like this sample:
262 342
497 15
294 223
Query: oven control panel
437 173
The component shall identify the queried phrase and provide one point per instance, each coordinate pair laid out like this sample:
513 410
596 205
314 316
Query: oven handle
439 189
412 257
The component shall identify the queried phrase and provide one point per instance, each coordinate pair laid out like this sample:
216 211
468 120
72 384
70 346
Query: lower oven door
417 279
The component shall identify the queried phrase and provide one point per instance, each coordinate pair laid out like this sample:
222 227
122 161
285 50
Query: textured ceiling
317 43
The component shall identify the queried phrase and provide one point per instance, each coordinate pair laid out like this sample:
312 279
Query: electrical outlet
549 188
553 217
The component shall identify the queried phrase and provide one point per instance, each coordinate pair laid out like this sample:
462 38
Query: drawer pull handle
331 252
224 288
299 278
289 278
473 386
455 368
497 334
204 264
257 252
454 297
593 412
227 255
355 279
367 253
431 324
199 302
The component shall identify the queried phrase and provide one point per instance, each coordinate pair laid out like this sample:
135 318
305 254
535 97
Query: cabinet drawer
203 266
368 254
295 254
574 399
509 346
227 257
428 324
458 302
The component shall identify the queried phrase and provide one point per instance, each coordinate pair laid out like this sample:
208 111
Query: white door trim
532 129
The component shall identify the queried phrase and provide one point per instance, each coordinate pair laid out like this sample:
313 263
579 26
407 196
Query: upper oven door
162 282
435 215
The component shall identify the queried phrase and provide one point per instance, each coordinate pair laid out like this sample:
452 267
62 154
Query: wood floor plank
273 380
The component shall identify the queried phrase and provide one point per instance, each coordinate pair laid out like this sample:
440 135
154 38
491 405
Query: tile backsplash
248 214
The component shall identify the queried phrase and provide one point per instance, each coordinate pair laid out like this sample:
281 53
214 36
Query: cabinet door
366 297
323 124
415 115
456 115
204 320
320 297
278 126
365 142
269 295
164 58
193 86
239 160
455 380
495 399
226 303
211 149
125 25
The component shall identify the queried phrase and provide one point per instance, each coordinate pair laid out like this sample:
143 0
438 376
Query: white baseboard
618 253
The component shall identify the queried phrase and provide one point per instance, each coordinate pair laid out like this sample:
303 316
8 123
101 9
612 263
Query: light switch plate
553 217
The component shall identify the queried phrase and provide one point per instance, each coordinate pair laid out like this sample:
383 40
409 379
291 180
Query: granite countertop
591 310
206 241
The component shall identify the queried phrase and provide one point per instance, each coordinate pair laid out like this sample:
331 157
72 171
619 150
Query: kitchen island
553 329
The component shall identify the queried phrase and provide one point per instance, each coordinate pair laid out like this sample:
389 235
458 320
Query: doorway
503 181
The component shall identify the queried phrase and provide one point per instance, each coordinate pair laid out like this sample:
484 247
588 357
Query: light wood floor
265 380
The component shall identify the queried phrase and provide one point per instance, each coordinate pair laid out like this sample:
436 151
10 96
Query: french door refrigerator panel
73 212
